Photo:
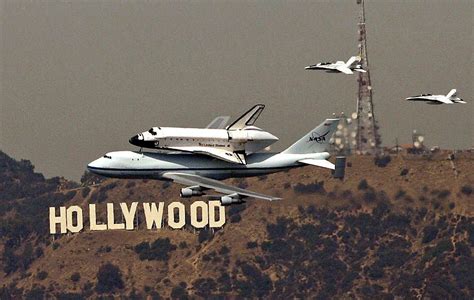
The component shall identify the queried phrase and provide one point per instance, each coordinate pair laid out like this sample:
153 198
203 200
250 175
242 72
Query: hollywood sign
210 214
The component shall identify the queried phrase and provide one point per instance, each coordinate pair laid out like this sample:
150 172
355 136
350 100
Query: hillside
401 229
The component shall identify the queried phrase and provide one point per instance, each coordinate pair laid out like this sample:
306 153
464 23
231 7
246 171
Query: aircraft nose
136 139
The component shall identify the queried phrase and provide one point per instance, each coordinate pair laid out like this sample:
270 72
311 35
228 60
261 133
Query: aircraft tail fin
352 60
452 93
248 118
317 140
218 123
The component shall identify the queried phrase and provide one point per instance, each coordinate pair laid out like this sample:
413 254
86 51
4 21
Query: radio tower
367 139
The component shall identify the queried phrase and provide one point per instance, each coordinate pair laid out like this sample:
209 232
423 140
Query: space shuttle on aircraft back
229 143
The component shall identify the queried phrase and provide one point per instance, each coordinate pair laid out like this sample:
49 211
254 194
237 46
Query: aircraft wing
218 186
218 123
344 70
223 154
318 162
445 100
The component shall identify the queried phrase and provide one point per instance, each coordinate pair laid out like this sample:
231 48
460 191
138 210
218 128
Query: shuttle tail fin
317 140
248 118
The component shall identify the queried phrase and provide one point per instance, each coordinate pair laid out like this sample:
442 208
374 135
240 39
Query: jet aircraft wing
218 123
344 70
218 186
223 154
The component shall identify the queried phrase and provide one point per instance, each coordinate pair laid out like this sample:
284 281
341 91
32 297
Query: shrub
224 250
382 161
466 190
443 194
400 194
179 292
69 195
158 250
75 277
85 191
204 235
363 185
251 245
42 275
109 278
316 187
235 219
429 233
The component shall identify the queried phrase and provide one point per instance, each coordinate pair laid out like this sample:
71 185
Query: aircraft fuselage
129 164
249 140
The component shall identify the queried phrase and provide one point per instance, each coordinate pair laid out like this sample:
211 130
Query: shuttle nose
139 140
136 140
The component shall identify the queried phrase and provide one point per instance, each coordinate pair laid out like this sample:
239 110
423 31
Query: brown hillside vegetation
401 230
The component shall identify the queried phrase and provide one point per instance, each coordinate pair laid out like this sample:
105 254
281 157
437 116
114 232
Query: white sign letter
204 214
213 223
152 215
93 219
181 216
53 220
129 215
79 219
111 218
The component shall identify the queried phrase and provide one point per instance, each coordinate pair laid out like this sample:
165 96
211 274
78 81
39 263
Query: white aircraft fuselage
436 99
136 165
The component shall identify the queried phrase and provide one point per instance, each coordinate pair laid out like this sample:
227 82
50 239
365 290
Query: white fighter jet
232 143
353 64
450 98
201 172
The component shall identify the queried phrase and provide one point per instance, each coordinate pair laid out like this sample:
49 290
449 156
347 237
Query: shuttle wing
218 186
223 154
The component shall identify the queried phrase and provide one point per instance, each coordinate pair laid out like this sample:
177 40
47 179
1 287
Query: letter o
80 221
204 214
181 216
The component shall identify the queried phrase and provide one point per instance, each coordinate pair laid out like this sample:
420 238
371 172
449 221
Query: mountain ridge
405 229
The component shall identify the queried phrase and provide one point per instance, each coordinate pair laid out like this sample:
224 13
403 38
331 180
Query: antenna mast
368 140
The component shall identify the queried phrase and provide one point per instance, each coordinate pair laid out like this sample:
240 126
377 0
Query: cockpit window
152 131
107 156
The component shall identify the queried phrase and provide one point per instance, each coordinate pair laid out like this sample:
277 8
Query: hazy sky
78 78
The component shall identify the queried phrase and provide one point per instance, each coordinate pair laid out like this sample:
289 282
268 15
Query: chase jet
450 98
200 173
353 64
231 143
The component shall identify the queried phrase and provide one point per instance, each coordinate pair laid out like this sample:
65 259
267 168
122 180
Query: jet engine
190 192
231 199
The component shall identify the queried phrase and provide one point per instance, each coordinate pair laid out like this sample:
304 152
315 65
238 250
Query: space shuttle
232 143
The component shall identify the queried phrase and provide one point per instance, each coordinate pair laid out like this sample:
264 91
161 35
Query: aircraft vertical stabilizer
317 140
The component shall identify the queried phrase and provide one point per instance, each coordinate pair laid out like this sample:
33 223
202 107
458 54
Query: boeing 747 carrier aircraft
200 173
